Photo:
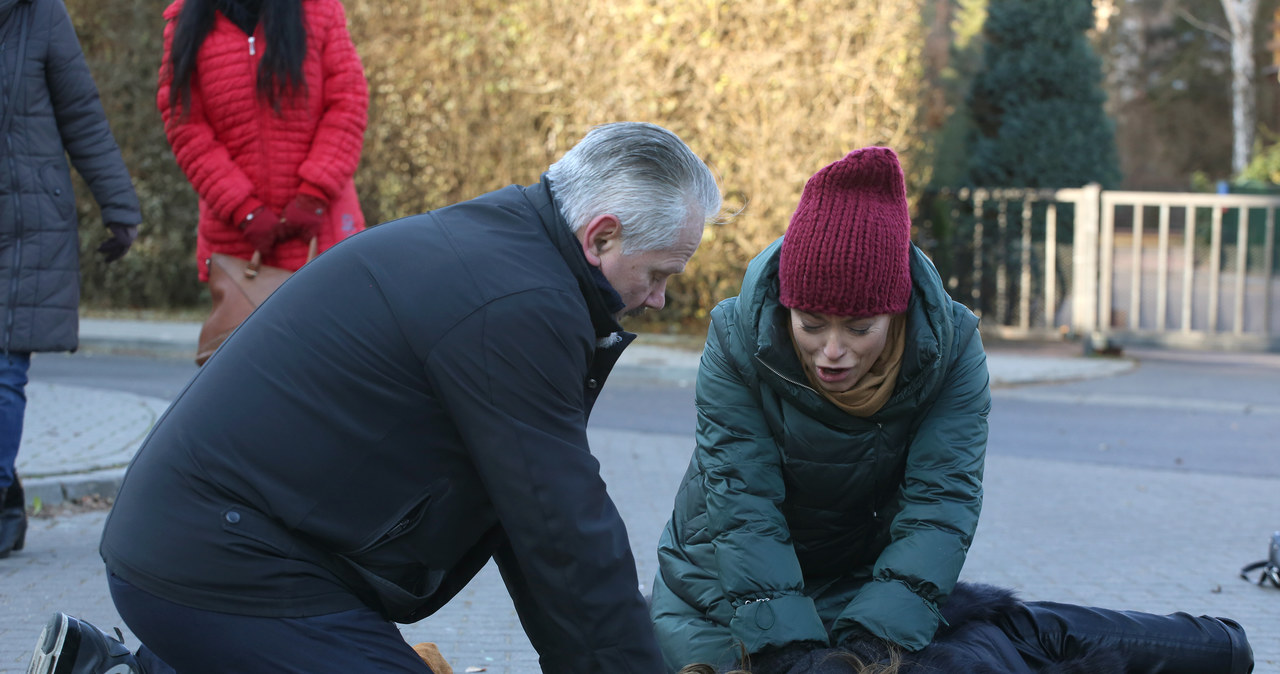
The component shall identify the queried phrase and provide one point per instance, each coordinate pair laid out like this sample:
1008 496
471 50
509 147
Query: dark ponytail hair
280 72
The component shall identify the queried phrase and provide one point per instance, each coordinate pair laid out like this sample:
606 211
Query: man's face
640 277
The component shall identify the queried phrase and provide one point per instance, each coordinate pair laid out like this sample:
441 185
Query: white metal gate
1181 269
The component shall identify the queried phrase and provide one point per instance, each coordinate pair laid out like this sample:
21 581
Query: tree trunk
1241 15
937 59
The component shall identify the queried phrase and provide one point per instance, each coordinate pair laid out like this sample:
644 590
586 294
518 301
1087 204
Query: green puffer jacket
797 521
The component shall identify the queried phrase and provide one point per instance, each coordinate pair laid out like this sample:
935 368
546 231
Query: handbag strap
1269 572
255 262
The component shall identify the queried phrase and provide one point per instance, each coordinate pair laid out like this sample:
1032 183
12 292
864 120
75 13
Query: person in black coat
49 112
404 408
989 630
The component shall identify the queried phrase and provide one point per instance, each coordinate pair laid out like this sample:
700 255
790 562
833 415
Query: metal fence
1180 269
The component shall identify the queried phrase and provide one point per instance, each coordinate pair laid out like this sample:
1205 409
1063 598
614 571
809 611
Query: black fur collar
970 607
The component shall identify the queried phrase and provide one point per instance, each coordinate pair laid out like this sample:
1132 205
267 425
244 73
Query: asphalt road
1198 412
1184 411
156 377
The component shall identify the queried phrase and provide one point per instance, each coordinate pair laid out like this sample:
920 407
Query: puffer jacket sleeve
83 127
937 510
335 152
740 465
222 186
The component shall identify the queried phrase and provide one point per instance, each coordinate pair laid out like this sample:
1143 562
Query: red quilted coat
239 154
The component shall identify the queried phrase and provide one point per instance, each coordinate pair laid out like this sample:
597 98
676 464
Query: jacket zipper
16 19
12 308
933 606
19 20
784 377
17 191
252 51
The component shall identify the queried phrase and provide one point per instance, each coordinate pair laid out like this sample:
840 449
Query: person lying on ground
989 630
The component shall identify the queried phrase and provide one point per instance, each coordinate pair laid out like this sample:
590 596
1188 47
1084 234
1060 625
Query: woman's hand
304 216
806 657
868 647
792 658
262 229
122 237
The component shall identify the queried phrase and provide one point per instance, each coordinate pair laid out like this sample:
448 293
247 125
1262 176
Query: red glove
262 229
303 217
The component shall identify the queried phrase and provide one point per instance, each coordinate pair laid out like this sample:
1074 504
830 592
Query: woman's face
838 350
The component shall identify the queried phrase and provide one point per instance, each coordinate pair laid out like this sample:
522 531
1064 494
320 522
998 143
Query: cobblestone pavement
1150 540
64 435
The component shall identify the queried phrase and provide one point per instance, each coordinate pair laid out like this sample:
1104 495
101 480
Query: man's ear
601 235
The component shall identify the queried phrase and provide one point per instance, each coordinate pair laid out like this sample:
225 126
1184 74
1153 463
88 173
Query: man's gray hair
640 173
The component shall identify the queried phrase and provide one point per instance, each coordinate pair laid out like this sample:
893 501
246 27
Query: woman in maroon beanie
835 488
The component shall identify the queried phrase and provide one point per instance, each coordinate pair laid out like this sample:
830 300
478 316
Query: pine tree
1037 103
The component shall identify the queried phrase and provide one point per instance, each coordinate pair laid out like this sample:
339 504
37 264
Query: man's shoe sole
49 647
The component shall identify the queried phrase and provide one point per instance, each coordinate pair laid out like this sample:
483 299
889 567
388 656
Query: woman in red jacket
265 104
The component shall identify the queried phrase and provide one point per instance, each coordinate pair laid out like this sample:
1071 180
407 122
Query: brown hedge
470 96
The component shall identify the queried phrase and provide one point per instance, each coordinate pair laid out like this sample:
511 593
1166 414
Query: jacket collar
603 302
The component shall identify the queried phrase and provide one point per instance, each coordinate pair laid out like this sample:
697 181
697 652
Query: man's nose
658 298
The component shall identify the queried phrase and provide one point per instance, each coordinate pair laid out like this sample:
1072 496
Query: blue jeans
13 406
194 641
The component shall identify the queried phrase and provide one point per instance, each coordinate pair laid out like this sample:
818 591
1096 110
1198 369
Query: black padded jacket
408 405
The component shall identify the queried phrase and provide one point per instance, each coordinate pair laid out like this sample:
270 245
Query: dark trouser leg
1045 632
193 641
13 406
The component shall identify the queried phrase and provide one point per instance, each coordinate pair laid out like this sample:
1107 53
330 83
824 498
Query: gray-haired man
406 407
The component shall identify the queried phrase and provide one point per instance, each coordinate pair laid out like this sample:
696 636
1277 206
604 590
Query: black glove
826 661
781 660
122 237
869 648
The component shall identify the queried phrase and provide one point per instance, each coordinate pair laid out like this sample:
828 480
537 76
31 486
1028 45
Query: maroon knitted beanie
847 251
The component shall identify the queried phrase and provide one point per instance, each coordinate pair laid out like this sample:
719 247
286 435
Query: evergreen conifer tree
1037 103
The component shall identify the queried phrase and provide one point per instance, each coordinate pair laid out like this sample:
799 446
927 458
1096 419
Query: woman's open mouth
832 374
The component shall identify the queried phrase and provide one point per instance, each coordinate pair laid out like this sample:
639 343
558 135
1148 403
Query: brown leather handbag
237 287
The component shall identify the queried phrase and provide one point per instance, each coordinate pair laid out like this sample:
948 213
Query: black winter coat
406 406
985 631
49 110
974 639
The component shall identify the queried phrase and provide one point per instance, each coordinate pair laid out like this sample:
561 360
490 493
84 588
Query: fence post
1084 276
